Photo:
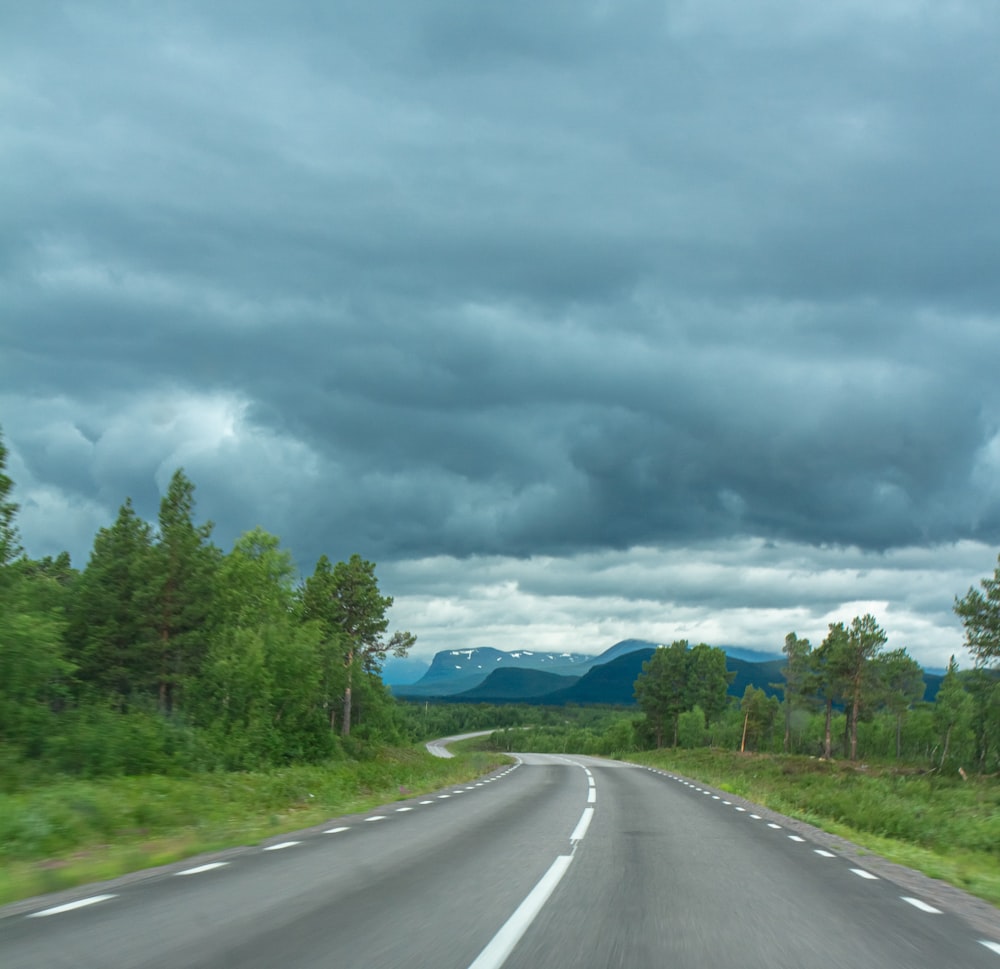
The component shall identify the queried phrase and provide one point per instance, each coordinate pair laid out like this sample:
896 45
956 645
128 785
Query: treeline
164 653
848 697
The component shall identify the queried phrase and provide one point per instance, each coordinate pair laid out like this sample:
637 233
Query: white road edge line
284 844
923 906
502 944
861 873
69 906
336 830
209 867
592 796
994 946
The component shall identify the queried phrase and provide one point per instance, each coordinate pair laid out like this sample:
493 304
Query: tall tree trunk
947 741
345 726
854 725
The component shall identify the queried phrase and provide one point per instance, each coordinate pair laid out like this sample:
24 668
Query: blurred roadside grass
945 827
70 832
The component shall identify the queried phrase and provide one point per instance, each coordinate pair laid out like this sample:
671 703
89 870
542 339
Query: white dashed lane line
197 871
70 906
923 906
860 872
211 866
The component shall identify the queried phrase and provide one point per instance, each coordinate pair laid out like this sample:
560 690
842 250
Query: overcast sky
583 320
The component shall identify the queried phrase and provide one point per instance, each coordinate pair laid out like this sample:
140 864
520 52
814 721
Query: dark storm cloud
509 280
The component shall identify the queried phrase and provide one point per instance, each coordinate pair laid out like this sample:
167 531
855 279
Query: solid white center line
69 906
284 844
824 854
201 868
336 830
994 946
923 906
502 944
861 873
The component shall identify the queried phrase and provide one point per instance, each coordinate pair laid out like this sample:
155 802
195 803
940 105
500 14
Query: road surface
556 862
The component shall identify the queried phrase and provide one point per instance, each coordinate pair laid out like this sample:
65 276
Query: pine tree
345 600
184 563
10 543
110 635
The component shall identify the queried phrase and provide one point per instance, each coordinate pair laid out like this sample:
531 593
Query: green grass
945 827
71 832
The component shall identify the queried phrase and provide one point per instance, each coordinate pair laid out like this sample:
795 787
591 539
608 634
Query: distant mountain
612 682
503 685
458 670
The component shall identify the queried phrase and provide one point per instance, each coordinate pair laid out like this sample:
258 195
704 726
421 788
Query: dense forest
850 697
164 653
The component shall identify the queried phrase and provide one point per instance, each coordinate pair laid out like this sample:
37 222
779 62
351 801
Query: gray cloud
434 281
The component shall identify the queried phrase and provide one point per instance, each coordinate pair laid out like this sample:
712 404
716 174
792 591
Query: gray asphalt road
560 862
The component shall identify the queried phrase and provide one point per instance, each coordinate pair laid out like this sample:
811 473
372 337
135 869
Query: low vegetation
72 831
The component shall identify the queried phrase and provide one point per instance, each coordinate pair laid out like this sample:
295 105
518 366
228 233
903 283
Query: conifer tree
10 544
184 563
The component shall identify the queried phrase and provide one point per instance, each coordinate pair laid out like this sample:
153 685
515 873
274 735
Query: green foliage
181 586
10 545
675 679
691 727
980 615
33 673
796 673
759 714
345 601
953 710
258 694
111 634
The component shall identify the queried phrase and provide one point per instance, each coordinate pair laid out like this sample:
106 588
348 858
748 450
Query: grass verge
72 832
946 828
